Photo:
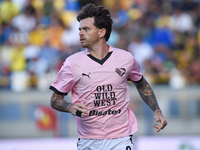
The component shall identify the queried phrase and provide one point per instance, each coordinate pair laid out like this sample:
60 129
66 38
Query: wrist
70 108
157 111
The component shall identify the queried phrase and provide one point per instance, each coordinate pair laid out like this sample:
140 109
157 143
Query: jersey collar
102 61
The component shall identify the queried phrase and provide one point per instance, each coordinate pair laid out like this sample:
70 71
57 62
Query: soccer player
97 78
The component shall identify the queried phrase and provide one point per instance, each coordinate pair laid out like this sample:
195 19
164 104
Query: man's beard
84 45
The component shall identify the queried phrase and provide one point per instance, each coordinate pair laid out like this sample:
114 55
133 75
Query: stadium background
37 35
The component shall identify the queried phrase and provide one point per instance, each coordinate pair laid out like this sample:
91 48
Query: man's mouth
82 40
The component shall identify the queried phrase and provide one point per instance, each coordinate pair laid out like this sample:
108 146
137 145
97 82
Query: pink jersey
102 85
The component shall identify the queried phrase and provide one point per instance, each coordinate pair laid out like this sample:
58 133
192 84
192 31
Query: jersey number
128 148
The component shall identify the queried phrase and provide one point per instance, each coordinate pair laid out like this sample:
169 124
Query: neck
99 51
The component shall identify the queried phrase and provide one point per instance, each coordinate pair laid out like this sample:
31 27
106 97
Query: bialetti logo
83 74
120 71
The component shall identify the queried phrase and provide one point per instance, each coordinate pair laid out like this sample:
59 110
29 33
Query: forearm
147 95
58 103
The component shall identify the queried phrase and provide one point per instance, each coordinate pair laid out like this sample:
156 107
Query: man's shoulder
122 52
75 58
77 55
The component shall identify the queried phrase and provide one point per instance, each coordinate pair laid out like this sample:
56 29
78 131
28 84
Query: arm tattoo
147 94
58 103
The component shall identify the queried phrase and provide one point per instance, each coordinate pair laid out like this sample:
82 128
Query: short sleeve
135 75
64 82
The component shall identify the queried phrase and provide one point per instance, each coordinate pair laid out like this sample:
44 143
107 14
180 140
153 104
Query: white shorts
125 143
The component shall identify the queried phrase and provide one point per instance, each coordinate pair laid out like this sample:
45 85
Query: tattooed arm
149 98
58 103
147 94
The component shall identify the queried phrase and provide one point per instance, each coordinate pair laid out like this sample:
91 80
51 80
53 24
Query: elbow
52 105
53 101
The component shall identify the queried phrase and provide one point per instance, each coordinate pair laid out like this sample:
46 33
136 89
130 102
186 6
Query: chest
91 74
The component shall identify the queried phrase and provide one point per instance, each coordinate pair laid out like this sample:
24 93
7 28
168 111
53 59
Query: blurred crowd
36 36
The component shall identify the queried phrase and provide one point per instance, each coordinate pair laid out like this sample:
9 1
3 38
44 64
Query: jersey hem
56 91
101 138
137 81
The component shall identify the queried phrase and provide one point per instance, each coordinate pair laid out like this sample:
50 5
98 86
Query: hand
159 118
79 107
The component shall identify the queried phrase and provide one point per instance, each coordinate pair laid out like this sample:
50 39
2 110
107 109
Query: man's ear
102 32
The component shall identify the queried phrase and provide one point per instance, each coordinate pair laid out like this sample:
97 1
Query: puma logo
83 74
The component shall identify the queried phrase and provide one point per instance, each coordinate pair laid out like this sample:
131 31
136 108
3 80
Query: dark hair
101 15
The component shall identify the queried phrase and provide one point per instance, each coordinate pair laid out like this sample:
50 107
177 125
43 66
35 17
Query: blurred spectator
17 37
176 80
18 60
119 16
72 5
197 15
141 51
8 10
70 36
5 61
181 21
20 3
54 32
50 58
37 36
47 53
19 76
49 8
193 72
161 35
24 22
5 31
31 52
29 6
114 38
